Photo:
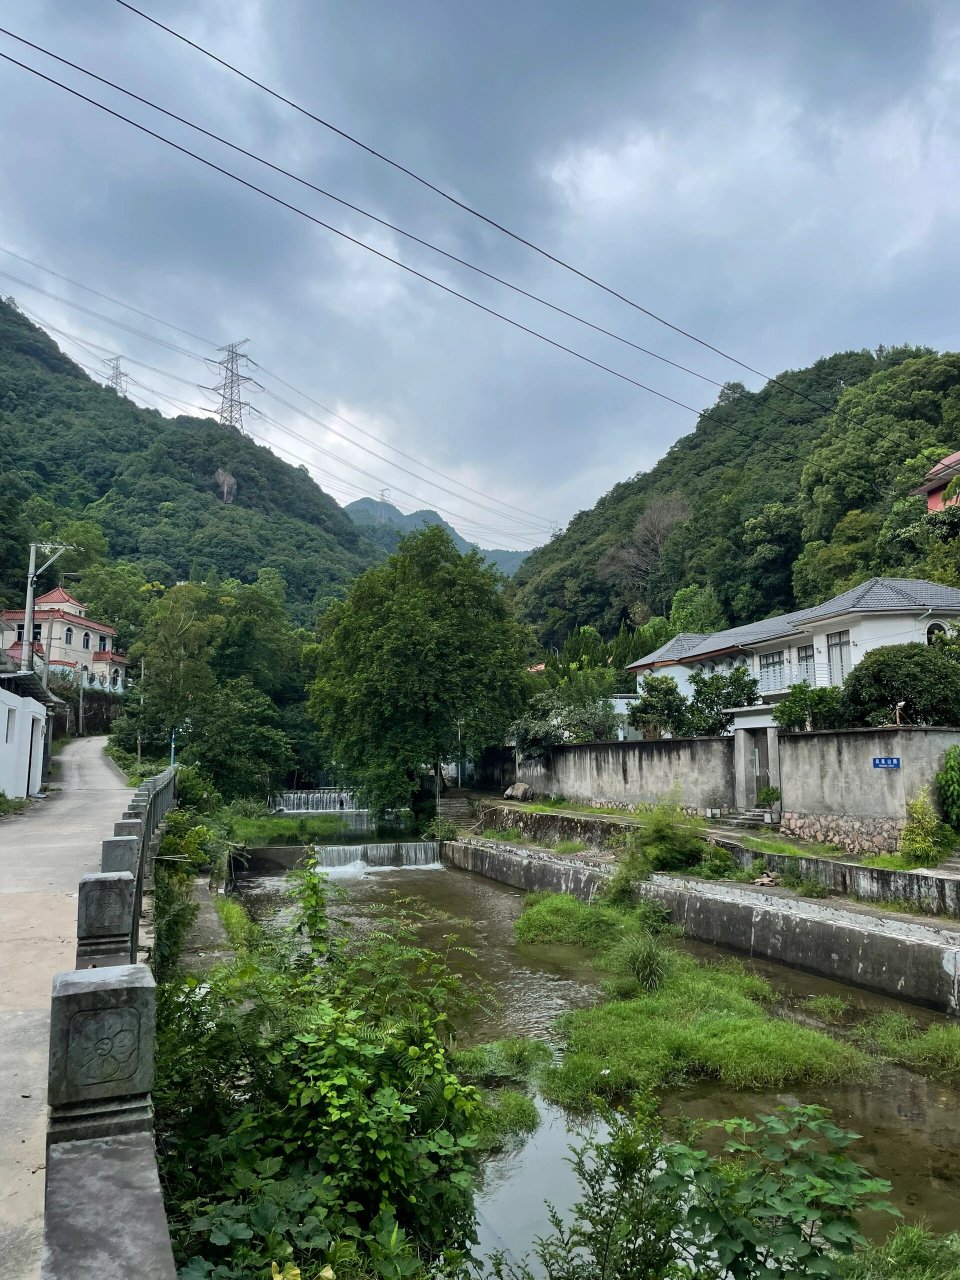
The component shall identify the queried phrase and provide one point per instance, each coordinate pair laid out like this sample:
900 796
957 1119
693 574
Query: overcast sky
780 179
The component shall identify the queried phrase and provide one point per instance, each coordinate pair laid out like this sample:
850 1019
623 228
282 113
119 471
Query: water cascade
324 800
357 857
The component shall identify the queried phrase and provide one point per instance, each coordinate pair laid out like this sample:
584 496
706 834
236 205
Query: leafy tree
660 707
921 679
119 594
422 649
712 693
698 610
805 707
233 737
578 709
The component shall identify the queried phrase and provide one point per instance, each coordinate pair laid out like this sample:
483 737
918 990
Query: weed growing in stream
515 1061
505 1114
675 1019
827 1008
934 1051
911 1253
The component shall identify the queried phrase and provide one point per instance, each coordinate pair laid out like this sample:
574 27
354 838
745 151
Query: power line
420 275
383 222
460 204
51 328
106 297
93 348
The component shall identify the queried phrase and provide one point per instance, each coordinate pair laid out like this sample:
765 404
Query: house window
934 630
103 644
838 655
19 632
115 678
11 725
805 663
68 636
36 631
86 639
772 671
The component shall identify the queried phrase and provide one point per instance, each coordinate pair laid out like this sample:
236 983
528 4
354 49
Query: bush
8 806
641 957
925 840
923 679
194 791
767 797
804 707
246 807
911 1253
948 787
556 917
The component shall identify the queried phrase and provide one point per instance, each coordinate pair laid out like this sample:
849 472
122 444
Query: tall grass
934 1051
911 1253
317 826
515 1060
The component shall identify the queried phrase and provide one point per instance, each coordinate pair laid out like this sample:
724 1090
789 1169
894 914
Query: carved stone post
102 1031
105 920
120 853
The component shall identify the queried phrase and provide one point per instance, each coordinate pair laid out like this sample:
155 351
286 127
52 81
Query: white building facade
818 646
23 726
68 640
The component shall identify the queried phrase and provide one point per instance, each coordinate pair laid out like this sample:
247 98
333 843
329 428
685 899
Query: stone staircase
952 865
456 805
745 820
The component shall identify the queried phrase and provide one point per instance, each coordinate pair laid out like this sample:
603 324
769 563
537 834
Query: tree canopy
420 660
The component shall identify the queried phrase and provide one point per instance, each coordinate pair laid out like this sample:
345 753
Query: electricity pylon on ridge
231 385
116 377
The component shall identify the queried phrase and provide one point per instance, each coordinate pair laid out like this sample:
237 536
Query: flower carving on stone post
104 1045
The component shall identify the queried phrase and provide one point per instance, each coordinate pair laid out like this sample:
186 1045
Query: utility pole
116 377
231 385
58 548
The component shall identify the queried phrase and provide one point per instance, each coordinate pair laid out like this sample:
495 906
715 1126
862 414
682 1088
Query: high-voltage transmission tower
231 384
116 377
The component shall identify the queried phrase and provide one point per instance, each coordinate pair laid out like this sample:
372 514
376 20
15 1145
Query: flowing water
910 1126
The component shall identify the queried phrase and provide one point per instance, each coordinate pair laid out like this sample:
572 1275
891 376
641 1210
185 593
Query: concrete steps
746 820
456 805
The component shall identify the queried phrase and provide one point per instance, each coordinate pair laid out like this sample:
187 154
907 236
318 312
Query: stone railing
103 1210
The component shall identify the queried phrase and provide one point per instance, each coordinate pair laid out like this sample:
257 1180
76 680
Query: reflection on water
910 1126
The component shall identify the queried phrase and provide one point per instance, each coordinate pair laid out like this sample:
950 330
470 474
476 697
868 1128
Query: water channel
910 1125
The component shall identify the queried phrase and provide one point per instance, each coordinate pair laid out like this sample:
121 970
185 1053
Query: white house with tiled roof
819 645
77 646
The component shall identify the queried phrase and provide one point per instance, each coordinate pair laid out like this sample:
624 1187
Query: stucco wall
697 770
15 764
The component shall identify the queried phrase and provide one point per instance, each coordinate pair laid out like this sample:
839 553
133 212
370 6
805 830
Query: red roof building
79 647
935 483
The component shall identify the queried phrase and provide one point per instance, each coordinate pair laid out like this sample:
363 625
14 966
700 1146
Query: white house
78 646
23 724
819 645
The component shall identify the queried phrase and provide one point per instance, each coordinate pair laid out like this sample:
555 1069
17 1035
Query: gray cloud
780 179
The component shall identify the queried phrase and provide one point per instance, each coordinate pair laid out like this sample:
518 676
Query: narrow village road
43 854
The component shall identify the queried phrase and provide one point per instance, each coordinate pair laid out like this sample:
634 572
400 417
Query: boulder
519 791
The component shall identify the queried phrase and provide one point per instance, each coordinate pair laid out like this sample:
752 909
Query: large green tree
421 657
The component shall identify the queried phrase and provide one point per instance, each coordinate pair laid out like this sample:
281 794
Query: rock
519 791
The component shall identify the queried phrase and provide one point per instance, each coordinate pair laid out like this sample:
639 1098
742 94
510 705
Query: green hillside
773 501
72 449
385 525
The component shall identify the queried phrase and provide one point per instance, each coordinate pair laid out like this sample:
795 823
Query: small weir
324 800
357 857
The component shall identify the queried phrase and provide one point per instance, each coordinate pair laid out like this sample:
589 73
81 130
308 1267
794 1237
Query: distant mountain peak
377 514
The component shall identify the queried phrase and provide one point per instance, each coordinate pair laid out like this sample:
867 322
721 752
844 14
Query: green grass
675 1020
827 1008
560 805
702 1022
9 806
512 1061
505 1114
934 1051
911 1253
264 831
570 846
241 930
559 918
793 848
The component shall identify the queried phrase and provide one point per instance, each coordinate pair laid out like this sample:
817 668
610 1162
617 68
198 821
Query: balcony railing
773 679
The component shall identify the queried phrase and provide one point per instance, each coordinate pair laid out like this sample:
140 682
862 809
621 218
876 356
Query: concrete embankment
861 946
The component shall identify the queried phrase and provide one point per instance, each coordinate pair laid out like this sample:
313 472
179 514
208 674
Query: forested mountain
773 502
384 524
174 496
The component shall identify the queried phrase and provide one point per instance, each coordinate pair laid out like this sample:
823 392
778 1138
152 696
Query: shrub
925 840
767 797
717 864
194 791
804 707
556 917
10 806
247 807
924 680
641 957
911 1253
948 787
440 829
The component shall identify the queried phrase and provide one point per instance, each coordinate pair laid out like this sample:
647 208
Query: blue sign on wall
886 762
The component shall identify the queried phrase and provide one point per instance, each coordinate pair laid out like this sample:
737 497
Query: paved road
43 854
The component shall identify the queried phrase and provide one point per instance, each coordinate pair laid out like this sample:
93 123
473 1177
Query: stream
910 1125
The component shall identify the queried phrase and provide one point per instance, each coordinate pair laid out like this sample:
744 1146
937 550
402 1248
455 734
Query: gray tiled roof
676 648
881 594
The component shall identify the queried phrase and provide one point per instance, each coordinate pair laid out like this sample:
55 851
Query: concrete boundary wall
103 1207
909 961
697 771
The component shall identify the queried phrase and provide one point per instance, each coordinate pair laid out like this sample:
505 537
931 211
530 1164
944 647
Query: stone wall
832 792
548 828
696 771
856 834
